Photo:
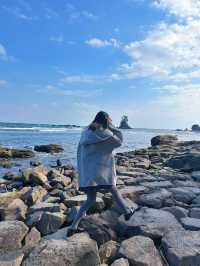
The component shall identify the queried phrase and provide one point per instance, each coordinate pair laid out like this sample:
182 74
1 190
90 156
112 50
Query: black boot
127 216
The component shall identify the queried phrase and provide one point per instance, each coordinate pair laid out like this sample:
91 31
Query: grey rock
34 195
50 222
76 250
11 235
177 211
140 250
16 210
191 223
149 222
182 247
163 140
49 148
195 213
32 238
155 199
157 184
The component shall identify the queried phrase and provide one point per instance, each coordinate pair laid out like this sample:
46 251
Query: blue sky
63 61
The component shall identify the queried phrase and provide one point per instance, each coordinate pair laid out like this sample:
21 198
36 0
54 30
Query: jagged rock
177 211
34 195
32 238
191 223
98 229
155 199
50 222
43 206
149 222
163 140
76 250
182 247
13 258
35 176
187 162
120 262
11 235
16 210
56 177
49 148
78 200
108 251
140 250
10 153
72 213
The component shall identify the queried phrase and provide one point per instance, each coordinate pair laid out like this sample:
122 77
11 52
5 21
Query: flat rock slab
11 235
149 222
11 259
191 223
77 250
140 250
177 211
43 206
156 184
195 213
78 200
182 248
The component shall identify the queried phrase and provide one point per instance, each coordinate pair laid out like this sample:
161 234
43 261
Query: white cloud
3 83
3 53
76 14
79 79
58 39
165 50
98 43
180 8
83 93
18 12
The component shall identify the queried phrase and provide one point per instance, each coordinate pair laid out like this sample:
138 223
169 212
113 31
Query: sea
24 135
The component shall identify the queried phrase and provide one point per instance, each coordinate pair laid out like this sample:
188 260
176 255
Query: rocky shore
162 184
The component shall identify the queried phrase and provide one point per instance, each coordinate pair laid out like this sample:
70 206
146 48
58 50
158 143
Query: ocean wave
38 129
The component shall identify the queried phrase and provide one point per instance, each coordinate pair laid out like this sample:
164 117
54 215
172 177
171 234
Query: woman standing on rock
96 165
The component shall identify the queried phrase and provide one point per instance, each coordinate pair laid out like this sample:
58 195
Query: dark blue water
23 135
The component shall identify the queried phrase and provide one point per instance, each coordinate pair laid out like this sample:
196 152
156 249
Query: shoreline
161 183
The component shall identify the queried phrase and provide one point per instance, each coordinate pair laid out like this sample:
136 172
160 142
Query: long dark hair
100 118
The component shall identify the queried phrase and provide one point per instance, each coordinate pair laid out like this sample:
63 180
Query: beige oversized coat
95 160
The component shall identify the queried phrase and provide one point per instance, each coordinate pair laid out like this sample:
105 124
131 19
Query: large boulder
156 199
56 177
182 247
35 176
149 222
16 210
8 197
11 235
187 162
185 194
49 148
192 224
140 250
164 140
77 250
11 153
32 238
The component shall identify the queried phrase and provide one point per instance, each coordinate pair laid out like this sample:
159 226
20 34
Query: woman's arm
116 132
